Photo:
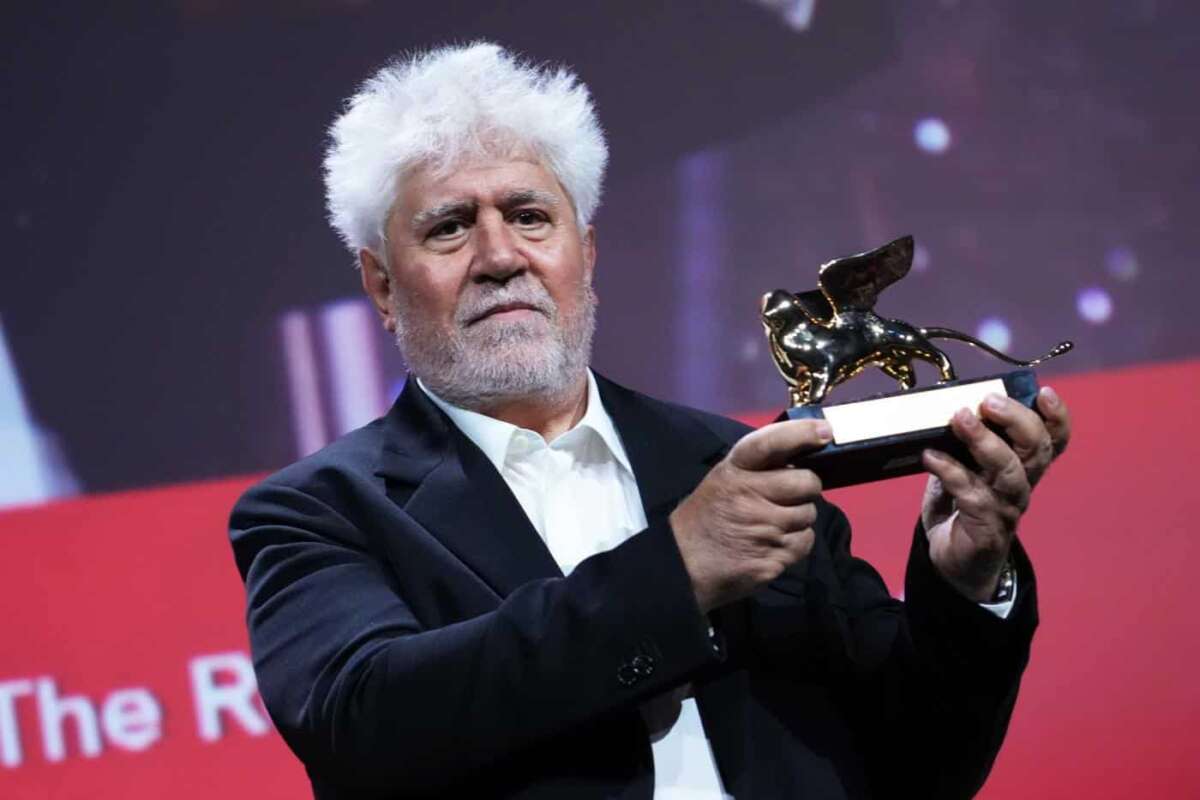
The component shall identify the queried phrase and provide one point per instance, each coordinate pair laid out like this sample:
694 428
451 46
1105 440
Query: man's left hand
970 516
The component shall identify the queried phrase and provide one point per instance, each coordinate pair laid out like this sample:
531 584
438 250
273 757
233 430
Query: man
527 581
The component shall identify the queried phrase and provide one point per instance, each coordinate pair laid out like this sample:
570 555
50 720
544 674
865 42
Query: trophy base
882 437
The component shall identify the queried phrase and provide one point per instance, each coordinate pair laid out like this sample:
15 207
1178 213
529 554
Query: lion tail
949 333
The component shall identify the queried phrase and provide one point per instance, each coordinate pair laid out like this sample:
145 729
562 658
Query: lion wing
855 282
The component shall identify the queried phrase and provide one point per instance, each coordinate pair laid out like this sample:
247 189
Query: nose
498 256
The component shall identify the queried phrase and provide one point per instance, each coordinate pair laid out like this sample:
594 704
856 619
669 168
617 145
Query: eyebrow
523 197
462 207
508 201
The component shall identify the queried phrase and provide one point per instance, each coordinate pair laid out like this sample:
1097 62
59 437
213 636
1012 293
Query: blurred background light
349 331
304 388
751 347
32 464
995 332
1094 305
932 135
796 14
921 259
1121 263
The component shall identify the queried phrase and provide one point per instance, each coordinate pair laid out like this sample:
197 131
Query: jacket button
643 666
627 675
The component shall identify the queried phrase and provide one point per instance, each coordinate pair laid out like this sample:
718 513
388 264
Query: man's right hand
752 515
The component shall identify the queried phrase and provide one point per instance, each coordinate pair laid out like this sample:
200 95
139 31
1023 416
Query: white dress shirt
580 494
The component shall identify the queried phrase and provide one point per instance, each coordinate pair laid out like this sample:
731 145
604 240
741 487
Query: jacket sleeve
928 683
367 697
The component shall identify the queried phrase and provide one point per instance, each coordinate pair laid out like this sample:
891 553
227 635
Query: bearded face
491 354
488 284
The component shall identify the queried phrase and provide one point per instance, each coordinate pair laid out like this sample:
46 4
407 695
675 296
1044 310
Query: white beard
479 365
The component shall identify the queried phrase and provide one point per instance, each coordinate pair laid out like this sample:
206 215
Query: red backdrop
122 652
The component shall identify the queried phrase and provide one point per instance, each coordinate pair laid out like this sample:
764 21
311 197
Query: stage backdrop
124 671
174 311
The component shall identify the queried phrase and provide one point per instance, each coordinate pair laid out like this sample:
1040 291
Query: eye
530 218
447 229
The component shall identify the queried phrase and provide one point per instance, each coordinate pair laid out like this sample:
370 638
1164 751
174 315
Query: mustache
490 298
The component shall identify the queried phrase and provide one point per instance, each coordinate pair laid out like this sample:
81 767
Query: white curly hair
439 108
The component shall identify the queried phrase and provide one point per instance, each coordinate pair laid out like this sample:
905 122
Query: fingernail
1050 395
823 430
966 418
995 402
934 455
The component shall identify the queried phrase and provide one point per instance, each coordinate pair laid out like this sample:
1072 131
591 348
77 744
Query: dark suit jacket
413 637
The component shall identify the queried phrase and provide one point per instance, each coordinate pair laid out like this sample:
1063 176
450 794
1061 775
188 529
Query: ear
377 283
776 303
589 252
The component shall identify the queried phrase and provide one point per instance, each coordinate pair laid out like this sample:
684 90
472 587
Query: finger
998 464
937 503
796 546
769 524
971 495
790 519
953 476
1026 433
786 487
1057 416
776 444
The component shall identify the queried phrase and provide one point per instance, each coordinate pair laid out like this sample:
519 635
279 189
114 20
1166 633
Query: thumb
774 445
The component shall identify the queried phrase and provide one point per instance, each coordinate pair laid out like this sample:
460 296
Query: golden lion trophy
823 337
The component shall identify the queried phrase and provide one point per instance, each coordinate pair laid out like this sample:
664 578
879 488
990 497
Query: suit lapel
670 452
448 486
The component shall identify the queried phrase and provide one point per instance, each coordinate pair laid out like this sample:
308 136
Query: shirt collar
494 436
